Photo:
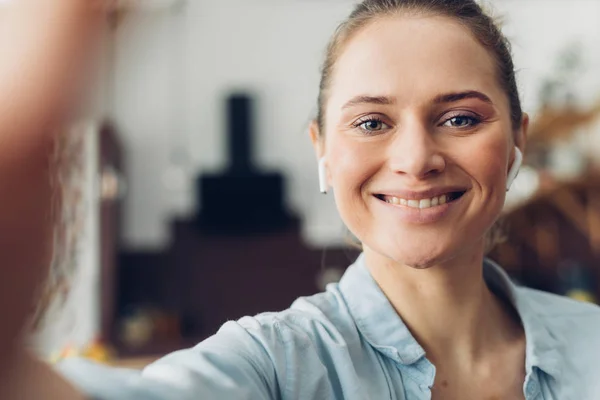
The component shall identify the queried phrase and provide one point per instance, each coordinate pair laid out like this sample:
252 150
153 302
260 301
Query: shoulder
273 337
573 329
265 350
570 320
309 320
550 305
317 329
251 358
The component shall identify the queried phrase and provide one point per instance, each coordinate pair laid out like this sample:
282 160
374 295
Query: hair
466 12
68 216
469 14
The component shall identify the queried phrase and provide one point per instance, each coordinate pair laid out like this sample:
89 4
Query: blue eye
371 125
461 121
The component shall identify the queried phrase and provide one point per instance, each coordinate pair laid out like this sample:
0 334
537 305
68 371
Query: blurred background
201 198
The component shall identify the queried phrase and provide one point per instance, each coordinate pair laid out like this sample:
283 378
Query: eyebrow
440 99
469 94
380 100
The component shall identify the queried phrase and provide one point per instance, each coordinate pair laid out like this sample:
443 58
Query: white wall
174 67
539 30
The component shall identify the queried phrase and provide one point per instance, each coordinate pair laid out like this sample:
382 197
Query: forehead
413 59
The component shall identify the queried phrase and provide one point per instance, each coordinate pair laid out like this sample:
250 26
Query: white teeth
413 203
423 203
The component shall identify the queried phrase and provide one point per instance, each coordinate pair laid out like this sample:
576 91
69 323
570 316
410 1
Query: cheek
351 165
491 170
487 165
484 157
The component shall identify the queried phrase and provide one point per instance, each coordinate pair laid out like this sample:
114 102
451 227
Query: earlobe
514 168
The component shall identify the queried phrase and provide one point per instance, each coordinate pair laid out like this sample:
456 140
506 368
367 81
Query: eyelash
474 121
472 118
358 124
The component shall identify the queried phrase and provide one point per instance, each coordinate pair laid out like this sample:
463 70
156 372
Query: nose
414 152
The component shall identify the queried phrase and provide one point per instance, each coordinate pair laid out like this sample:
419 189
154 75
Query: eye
371 124
461 121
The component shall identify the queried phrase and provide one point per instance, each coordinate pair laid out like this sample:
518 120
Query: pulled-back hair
466 12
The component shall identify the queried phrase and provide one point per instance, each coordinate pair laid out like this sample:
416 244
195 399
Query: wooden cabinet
204 280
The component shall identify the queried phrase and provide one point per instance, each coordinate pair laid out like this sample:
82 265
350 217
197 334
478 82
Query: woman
419 134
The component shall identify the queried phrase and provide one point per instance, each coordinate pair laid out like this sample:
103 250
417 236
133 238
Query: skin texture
45 48
391 127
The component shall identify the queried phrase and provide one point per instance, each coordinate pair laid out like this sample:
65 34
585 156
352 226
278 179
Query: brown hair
466 12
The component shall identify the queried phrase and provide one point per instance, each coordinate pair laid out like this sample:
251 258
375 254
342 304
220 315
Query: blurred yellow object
581 295
98 351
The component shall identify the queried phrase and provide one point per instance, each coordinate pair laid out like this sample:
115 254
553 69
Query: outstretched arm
44 48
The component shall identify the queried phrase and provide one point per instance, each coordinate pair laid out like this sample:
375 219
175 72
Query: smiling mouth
422 203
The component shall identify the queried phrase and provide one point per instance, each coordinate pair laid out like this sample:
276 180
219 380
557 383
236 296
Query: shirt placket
531 388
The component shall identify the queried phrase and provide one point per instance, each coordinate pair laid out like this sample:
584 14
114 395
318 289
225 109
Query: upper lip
420 194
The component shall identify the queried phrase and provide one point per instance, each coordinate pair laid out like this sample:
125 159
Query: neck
448 307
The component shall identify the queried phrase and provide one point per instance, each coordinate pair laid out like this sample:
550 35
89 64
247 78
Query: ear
520 140
315 137
521 135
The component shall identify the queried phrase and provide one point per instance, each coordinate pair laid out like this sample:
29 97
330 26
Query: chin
414 253
418 261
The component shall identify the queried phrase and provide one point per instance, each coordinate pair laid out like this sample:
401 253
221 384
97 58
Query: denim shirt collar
542 348
383 328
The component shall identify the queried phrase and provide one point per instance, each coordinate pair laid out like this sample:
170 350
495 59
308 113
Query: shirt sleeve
236 363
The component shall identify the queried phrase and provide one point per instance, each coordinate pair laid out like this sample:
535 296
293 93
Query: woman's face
418 139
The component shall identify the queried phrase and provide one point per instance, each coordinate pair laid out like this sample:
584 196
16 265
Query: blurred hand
45 49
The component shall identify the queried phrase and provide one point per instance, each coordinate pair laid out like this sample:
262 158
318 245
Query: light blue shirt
349 343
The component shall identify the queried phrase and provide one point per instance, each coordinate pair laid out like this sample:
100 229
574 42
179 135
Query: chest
377 377
489 389
497 379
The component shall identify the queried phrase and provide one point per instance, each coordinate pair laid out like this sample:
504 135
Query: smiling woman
431 123
419 134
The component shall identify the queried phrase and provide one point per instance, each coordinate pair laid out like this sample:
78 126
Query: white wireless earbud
514 168
322 175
